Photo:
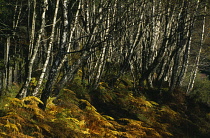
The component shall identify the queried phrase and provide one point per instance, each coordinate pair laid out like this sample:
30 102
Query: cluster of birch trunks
149 40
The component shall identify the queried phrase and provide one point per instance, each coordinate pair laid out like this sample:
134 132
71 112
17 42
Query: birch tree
62 49
150 41
197 60
32 55
44 69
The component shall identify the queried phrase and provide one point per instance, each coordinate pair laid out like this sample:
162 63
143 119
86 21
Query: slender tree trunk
61 54
70 73
72 31
6 64
197 61
44 69
23 92
185 59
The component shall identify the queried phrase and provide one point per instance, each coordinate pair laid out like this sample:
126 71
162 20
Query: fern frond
148 104
86 132
168 110
69 91
11 126
168 134
38 135
39 115
108 117
46 127
88 107
18 135
3 134
37 128
153 103
32 99
50 101
14 102
74 120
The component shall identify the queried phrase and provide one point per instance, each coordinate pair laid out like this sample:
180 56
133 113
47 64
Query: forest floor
106 113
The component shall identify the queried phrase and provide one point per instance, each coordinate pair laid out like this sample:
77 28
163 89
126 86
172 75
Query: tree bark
44 69
24 90
61 54
197 61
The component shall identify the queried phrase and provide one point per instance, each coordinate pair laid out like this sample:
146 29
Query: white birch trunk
23 93
33 29
72 31
44 69
197 61
60 55
6 64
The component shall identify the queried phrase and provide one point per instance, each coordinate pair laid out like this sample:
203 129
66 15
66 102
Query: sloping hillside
106 113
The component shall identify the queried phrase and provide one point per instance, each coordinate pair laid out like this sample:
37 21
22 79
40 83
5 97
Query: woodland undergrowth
78 112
